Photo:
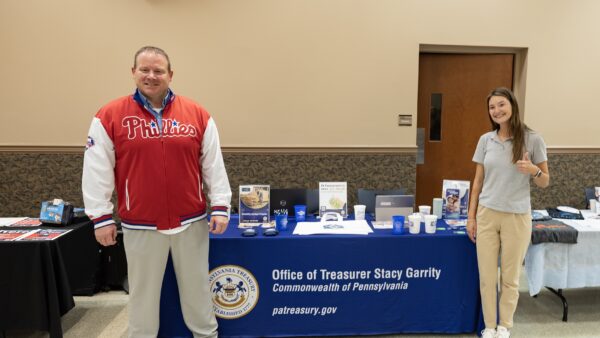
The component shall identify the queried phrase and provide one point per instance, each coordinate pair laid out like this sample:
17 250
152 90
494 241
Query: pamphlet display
333 197
455 195
254 204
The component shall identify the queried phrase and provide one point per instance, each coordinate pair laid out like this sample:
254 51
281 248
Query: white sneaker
488 333
502 332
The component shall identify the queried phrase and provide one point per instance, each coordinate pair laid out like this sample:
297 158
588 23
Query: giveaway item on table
414 223
56 211
398 224
564 212
430 223
359 212
300 212
281 222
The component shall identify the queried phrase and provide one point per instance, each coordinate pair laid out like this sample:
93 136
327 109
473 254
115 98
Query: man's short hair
152 49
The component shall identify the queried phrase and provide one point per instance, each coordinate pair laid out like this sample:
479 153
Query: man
162 153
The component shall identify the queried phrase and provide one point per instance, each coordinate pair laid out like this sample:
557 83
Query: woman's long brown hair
517 128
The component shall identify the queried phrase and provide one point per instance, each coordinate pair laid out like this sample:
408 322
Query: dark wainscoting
29 178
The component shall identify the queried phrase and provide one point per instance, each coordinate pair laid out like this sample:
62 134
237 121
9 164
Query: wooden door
458 85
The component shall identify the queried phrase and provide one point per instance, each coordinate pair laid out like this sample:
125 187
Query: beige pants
147 253
506 236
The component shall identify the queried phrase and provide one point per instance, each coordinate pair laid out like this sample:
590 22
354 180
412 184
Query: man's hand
107 235
218 224
472 229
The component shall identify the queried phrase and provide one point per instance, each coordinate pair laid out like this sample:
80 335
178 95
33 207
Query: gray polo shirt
504 187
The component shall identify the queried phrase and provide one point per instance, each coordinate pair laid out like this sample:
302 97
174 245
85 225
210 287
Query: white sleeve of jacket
214 175
98 181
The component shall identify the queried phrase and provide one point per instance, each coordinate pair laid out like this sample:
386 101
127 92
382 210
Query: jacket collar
141 99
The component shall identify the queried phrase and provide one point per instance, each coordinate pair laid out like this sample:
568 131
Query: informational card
455 196
254 204
27 222
8 221
44 234
333 197
13 234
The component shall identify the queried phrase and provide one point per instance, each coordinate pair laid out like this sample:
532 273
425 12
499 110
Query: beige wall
283 73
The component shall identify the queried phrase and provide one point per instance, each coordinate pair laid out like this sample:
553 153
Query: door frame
520 63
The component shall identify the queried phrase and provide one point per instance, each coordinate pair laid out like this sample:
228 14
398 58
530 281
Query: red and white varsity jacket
160 177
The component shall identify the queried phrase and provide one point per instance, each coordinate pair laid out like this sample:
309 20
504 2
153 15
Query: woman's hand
472 229
524 165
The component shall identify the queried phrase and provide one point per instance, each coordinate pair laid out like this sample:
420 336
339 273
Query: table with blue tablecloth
381 283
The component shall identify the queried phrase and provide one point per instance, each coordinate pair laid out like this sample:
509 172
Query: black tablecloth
38 277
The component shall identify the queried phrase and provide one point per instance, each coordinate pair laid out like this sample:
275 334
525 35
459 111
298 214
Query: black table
39 278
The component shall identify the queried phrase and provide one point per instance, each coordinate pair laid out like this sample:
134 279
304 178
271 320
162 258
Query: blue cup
300 212
281 222
398 224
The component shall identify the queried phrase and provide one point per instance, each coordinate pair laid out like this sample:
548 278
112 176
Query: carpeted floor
105 315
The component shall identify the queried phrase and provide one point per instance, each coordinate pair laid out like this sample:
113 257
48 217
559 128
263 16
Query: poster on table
455 196
254 204
333 197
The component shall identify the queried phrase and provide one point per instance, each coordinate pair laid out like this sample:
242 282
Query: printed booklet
455 195
333 197
254 204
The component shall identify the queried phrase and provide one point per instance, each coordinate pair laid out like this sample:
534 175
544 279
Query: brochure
43 234
333 197
254 204
455 195
8 221
13 234
27 222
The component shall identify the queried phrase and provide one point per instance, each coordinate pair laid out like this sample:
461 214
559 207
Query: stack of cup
424 210
437 207
414 223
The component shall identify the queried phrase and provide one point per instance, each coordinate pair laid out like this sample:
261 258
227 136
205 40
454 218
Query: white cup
430 224
424 210
414 223
437 207
595 206
359 212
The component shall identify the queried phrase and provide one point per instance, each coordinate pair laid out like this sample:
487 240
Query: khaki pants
147 253
506 236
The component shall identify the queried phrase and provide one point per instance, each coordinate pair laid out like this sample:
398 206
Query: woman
499 221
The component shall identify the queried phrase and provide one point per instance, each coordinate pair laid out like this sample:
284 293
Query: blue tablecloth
292 285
